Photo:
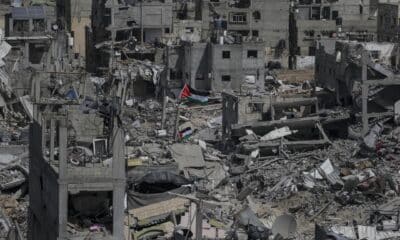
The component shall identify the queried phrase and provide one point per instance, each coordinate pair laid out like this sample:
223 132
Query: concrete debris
278 133
180 120
187 156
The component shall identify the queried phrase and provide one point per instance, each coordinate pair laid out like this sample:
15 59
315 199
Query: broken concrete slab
187 155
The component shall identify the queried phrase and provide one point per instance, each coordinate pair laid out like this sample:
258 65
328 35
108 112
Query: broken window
226 54
309 33
226 78
255 33
252 54
122 35
326 13
335 15
39 25
375 54
238 18
21 25
315 13
257 15
339 21
36 52
166 30
189 30
254 108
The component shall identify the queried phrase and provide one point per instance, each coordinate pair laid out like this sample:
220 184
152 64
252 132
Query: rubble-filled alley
199 119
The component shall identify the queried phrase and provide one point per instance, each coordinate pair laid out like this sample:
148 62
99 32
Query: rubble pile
184 141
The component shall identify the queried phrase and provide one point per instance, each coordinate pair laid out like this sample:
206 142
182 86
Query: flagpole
178 112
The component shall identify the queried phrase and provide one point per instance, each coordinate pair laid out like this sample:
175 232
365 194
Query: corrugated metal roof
34 12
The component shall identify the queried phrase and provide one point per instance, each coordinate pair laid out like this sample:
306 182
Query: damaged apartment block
362 75
77 169
311 20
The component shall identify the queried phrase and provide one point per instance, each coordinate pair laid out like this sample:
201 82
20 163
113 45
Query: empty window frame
252 54
238 18
226 78
226 54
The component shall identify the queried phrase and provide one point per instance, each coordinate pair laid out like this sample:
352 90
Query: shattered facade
313 20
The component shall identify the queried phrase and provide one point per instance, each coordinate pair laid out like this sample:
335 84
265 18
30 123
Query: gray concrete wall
237 66
196 65
320 28
153 14
230 67
272 26
388 22
43 194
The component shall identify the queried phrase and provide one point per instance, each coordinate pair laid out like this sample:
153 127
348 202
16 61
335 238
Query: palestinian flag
193 95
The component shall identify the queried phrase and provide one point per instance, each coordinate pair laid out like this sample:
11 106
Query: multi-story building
77 172
388 22
259 19
215 66
311 20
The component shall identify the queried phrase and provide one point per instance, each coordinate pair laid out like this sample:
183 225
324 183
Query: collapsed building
362 75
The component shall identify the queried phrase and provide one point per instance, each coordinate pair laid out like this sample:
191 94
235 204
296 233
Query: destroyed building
179 119
266 20
312 20
360 74
77 168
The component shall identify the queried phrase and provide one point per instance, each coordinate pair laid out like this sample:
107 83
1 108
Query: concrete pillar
118 172
118 210
43 137
365 90
52 138
63 185
62 150
62 210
